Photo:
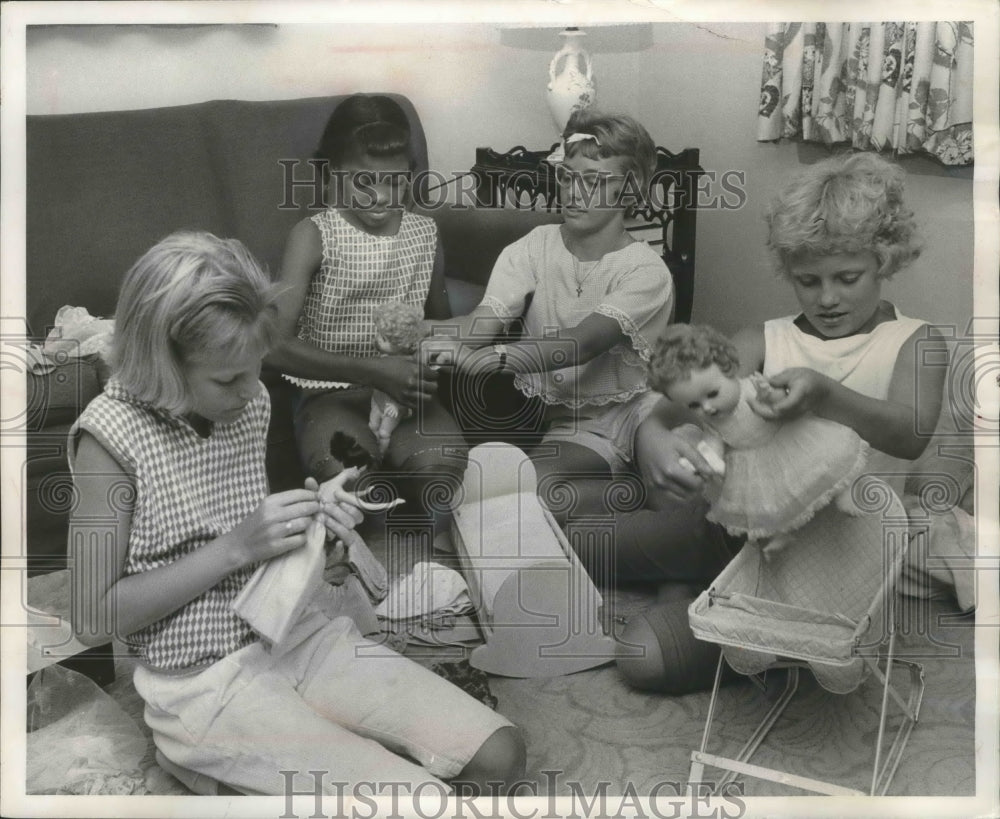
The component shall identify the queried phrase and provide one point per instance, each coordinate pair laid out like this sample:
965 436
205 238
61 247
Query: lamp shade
619 38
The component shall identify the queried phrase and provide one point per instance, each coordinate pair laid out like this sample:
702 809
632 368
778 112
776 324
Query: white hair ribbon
559 154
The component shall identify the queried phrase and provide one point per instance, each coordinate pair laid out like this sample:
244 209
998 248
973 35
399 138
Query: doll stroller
826 602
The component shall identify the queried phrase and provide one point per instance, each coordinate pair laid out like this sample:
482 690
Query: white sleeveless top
863 362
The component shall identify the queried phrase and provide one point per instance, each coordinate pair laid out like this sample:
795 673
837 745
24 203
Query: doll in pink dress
770 477
399 328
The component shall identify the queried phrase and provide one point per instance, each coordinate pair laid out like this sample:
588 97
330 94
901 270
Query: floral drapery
904 87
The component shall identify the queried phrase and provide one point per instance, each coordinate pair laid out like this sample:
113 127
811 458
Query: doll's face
709 393
383 344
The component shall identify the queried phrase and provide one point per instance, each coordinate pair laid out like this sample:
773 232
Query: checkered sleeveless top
188 490
360 271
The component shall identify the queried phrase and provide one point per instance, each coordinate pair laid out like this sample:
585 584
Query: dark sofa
104 187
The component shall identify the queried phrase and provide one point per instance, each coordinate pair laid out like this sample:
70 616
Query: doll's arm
767 395
712 449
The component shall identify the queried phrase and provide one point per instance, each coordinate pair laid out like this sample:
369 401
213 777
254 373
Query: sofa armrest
58 397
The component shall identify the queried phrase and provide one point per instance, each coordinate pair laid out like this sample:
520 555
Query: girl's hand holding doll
339 517
399 329
793 392
673 465
277 525
404 379
280 522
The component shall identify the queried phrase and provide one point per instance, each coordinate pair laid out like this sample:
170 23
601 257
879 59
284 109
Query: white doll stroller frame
826 601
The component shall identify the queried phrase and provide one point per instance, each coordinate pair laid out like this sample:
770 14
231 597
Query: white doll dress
780 473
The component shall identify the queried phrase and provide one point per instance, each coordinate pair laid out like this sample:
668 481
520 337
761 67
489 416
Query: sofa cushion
101 189
472 238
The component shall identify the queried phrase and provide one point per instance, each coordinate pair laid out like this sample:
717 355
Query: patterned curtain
904 87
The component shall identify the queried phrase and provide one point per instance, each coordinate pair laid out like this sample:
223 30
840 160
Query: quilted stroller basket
822 598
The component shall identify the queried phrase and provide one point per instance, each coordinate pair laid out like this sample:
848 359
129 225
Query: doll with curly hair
399 328
770 477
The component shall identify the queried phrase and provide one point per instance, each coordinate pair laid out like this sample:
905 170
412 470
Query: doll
770 477
398 330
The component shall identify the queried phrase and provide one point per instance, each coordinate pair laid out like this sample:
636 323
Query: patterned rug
590 728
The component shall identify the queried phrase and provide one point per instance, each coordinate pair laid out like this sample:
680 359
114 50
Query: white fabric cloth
429 589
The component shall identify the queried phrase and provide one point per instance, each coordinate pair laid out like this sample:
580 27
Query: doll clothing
780 473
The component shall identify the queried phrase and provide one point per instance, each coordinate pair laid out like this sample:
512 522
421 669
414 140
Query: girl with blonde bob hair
181 427
190 294
846 204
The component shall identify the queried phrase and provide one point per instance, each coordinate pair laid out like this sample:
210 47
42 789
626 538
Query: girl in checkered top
364 250
173 518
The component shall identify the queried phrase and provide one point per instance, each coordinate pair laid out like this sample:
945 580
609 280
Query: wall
696 86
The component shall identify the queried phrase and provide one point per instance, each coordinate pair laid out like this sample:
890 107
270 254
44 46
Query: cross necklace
576 274
625 241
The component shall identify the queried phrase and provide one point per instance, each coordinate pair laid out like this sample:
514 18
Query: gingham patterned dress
360 271
189 491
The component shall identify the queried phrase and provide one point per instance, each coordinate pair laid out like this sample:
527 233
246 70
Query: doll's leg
375 415
391 417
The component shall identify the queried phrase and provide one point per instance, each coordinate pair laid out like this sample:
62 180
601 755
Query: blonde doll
399 328
769 477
